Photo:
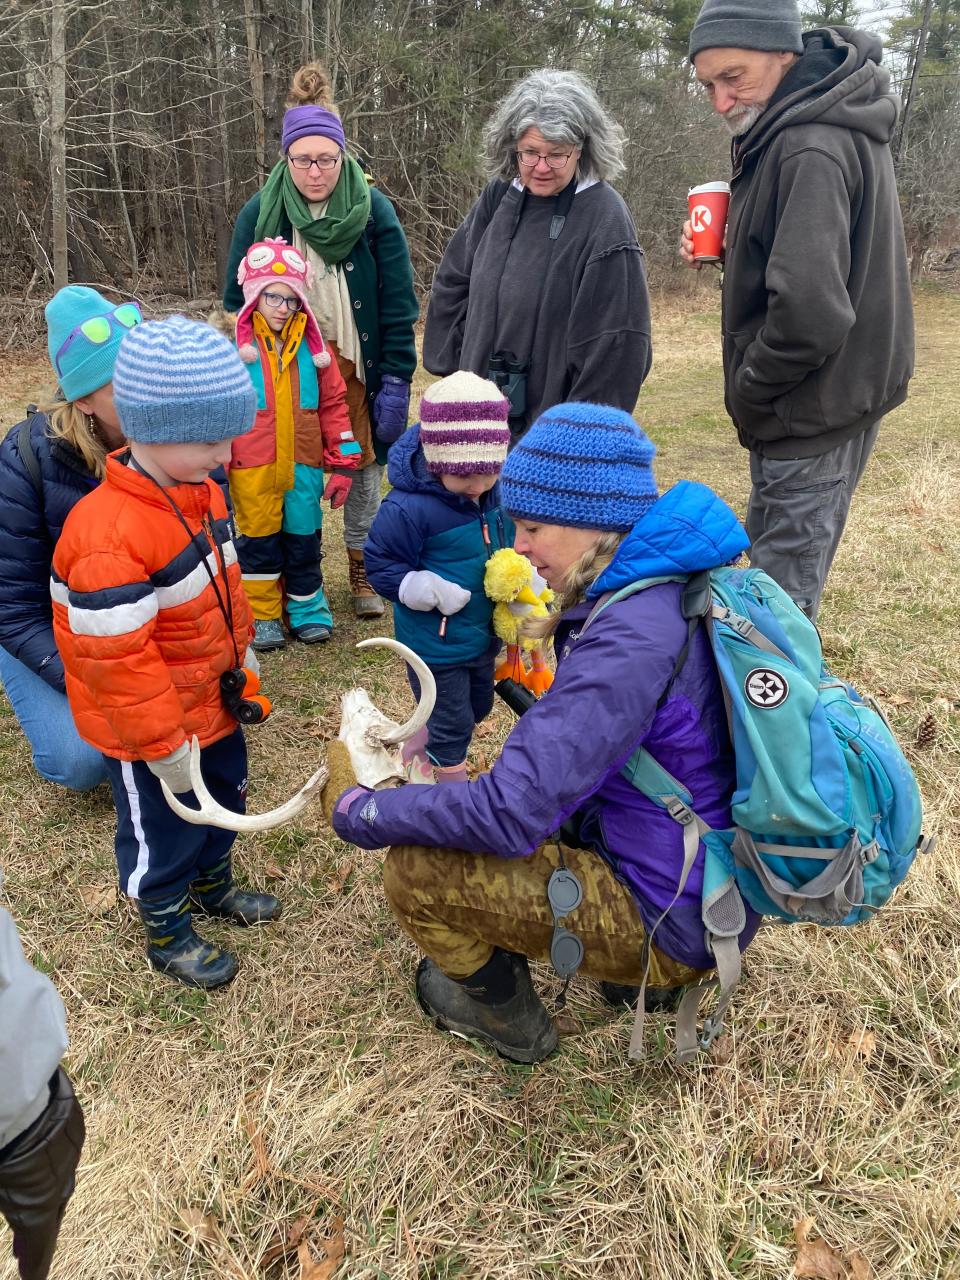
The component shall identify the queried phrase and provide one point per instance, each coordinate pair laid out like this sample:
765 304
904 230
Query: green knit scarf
332 236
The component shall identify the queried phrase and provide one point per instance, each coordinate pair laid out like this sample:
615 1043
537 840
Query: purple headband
305 122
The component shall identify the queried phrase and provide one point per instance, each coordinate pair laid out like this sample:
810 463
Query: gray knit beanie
773 25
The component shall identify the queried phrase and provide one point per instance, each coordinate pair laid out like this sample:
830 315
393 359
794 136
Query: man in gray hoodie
817 310
41 1124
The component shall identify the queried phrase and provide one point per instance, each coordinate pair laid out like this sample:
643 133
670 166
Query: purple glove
390 407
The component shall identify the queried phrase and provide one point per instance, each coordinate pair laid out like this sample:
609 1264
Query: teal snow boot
216 894
174 949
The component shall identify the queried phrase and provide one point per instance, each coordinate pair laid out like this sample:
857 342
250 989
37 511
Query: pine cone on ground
928 733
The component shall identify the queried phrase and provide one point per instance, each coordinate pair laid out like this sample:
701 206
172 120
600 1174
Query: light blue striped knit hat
178 381
587 465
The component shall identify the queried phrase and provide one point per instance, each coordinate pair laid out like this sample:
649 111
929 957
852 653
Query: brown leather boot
366 602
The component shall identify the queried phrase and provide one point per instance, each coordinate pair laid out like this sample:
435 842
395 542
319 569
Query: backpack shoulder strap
29 457
631 589
695 603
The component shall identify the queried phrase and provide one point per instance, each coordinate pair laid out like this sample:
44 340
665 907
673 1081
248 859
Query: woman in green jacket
318 198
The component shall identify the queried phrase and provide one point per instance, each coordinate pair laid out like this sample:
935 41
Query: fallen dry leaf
336 885
285 1239
333 1247
815 1258
721 1050
202 1226
863 1043
860 1268
273 871
98 898
261 1160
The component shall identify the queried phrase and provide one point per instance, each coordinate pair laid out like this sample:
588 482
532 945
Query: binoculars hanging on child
238 692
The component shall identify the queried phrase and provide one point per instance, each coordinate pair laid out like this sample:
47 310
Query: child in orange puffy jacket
302 428
149 613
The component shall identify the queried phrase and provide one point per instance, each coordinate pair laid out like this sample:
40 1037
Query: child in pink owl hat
273 261
301 450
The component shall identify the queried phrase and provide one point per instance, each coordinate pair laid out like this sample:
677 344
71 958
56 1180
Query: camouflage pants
458 906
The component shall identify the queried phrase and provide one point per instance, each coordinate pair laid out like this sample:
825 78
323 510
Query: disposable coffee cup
708 219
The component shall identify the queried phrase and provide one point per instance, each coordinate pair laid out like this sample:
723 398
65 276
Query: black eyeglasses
528 159
277 300
323 163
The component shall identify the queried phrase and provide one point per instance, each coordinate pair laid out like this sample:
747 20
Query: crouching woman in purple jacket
466 874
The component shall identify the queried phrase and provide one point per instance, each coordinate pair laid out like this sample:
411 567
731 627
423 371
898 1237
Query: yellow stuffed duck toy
519 591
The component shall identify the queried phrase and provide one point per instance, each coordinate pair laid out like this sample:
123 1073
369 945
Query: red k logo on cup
700 217
708 219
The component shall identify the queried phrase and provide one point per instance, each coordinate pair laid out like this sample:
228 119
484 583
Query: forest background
132 133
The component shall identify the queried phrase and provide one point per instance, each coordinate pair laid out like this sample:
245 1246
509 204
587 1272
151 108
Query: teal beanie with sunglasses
83 361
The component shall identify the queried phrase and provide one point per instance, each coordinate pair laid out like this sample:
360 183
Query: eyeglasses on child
277 300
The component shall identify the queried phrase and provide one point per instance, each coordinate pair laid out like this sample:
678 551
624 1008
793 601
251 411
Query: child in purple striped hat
427 552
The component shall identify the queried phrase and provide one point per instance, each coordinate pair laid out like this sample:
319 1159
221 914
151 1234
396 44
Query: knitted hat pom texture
463 426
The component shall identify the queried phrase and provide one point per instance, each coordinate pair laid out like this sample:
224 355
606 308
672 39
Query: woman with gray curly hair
542 288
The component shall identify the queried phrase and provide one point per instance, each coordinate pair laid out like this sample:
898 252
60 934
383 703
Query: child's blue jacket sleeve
394 548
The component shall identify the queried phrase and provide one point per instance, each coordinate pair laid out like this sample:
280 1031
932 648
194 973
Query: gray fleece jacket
817 310
33 1035
577 306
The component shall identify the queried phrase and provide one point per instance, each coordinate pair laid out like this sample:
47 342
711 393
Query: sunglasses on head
97 329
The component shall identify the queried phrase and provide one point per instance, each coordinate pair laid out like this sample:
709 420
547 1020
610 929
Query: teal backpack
826 811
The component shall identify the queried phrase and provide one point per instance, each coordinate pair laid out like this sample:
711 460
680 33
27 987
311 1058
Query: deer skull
374 743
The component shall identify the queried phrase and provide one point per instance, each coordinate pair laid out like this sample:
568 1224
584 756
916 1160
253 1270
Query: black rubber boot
519 1027
216 894
174 949
656 999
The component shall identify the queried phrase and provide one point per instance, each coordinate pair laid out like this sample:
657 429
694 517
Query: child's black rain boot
174 949
216 893
497 1005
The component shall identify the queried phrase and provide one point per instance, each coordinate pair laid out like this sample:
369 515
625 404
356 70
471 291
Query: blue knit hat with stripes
179 381
587 465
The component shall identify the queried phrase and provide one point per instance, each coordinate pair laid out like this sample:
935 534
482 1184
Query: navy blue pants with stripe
158 854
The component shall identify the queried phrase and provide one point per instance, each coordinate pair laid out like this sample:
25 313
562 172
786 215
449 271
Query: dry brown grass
314 1086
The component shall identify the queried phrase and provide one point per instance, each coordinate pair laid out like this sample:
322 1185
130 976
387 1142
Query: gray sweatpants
797 511
362 504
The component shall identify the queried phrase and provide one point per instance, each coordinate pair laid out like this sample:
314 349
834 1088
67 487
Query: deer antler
213 814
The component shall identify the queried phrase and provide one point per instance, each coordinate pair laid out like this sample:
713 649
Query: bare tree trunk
255 59
306 30
58 141
115 169
914 75
332 15
219 78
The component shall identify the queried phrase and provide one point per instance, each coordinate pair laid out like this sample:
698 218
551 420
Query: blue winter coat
422 525
566 752
29 529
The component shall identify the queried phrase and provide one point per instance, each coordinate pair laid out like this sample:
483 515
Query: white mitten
174 769
424 590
